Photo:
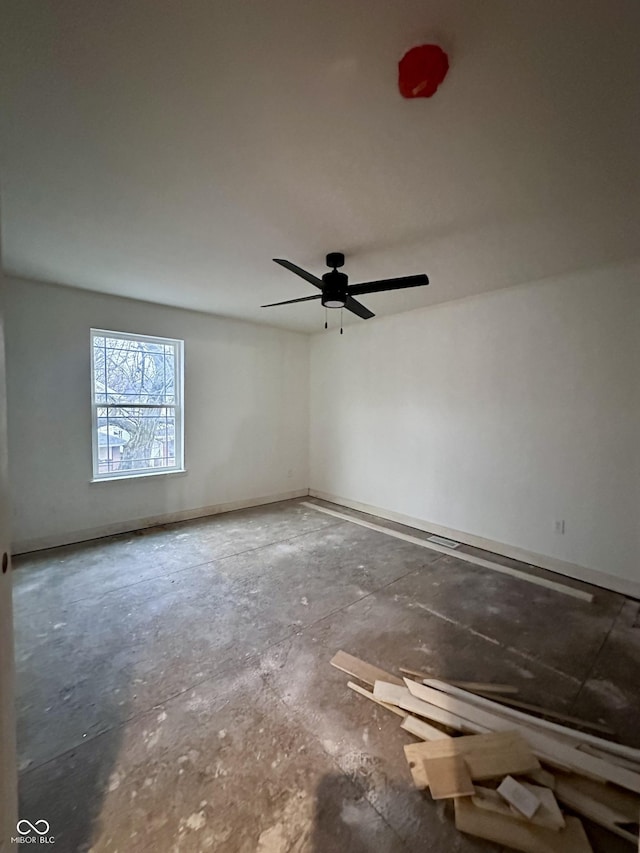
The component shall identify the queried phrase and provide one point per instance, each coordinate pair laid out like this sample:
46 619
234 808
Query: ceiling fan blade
313 279
357 308
290 301
388 284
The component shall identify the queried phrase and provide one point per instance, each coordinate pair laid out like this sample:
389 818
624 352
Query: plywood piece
415 760
546 725
518 834
488 756
362 670
363 692
617 810
523 800
548 814
448 777
551 750
574 592
419 728
491 765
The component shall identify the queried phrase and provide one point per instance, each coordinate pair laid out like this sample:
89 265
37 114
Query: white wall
246 414
494 416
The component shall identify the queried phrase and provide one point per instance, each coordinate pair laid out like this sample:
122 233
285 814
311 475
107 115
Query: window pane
130 371
136 389
135 439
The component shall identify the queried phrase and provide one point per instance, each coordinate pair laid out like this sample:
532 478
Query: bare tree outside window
137 405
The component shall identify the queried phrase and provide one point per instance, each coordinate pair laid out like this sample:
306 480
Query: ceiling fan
336 292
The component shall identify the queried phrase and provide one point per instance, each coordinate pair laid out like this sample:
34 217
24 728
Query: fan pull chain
341 321
326 324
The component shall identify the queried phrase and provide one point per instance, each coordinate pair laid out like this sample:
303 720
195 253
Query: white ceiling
168 150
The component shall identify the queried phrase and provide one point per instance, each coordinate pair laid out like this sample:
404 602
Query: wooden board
518 834
606 746
389 692
543 778
634 766
448 777
551 750
523 800
473 686
467 743
439 715
478 686
363 692
618 811
419 728
416 766
362 670
411 724
395 695
548 814
536 709
488 756
574 592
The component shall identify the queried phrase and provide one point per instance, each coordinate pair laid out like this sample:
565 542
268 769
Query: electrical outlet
558 526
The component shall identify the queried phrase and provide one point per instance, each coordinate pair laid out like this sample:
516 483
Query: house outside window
137 405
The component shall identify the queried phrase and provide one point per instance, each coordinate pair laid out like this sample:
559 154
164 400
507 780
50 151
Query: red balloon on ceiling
421 70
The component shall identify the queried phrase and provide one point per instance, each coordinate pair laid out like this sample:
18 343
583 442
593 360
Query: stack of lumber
510 772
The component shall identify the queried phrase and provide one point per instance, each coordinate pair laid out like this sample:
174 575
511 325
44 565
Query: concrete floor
175 692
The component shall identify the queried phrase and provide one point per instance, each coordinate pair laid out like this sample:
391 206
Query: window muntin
136 404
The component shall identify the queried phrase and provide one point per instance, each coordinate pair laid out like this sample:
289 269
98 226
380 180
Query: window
137 405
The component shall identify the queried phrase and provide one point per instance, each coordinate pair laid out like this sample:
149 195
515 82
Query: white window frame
178 407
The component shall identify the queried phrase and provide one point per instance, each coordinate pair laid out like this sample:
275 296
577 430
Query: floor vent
440 540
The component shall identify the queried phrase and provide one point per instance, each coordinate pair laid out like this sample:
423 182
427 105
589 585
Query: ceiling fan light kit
335 290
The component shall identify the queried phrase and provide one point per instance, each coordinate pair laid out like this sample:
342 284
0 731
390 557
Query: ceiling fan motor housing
334 292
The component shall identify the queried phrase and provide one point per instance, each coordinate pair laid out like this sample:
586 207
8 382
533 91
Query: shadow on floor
68 789
345 820
77 786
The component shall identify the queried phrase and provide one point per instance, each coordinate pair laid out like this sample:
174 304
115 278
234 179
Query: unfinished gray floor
175 693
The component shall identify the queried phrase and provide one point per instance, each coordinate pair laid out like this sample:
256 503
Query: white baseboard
27 545
528 577
571 570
